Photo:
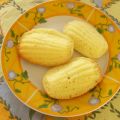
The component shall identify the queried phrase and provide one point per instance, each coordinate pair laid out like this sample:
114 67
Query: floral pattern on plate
17 78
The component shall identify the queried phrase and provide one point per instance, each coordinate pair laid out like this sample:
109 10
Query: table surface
13 109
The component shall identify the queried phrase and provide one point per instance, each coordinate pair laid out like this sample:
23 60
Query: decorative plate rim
45 113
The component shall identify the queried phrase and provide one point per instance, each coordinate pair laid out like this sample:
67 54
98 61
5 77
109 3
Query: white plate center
36 72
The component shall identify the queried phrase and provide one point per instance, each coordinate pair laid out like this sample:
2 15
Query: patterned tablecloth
13 109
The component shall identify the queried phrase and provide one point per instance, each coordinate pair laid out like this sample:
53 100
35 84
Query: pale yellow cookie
46 47
87 40
72 79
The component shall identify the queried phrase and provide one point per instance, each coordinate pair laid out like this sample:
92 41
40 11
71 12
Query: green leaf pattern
21 78
24 76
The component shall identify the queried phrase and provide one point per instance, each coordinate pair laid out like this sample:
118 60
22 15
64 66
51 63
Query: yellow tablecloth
9 11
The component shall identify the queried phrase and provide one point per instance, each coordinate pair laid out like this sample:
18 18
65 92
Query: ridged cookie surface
87 40
72 79
46 47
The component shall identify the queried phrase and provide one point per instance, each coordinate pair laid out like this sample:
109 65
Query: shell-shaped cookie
88 41
72 79
46 47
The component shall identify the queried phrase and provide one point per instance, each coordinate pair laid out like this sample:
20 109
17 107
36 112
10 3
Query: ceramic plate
24 79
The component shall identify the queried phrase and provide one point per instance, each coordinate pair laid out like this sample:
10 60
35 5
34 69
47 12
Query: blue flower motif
111 28
12 75
41 10
118 56
10 44
70 5
94 101
56 108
